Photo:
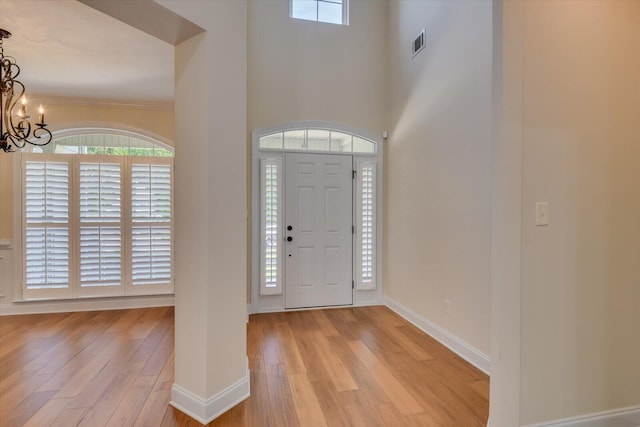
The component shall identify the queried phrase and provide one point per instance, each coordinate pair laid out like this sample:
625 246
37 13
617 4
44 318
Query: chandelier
16 129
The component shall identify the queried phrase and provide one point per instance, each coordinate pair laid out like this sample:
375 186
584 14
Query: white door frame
275 303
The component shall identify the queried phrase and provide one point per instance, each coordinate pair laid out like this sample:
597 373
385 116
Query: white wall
302 70
581 153
437 163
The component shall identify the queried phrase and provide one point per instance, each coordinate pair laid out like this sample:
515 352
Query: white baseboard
85 304
623 417
206 410
455 344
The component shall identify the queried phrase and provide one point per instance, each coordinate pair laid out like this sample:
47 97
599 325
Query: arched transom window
322 140
103 141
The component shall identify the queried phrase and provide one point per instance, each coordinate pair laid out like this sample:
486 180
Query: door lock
289 239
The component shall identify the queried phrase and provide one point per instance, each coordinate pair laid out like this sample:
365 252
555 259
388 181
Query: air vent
418 44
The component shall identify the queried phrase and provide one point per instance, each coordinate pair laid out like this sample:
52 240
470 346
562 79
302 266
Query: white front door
318 230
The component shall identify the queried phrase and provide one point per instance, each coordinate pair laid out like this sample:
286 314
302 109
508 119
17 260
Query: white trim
206 410
328 307
622 417
446 338
84 304
101 103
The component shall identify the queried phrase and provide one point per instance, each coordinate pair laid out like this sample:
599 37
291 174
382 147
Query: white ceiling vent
418 44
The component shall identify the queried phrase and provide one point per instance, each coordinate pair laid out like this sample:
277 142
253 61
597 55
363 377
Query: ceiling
65 48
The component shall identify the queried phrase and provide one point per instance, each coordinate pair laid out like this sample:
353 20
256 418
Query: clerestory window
329 11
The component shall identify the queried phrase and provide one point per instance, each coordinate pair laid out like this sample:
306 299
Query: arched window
104 141
97 216
320 140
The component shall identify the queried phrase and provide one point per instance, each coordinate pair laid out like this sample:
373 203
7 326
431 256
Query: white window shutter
100 224
271 226
151 235
366 225
46 198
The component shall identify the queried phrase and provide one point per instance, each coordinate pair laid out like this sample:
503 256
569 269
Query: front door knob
289 239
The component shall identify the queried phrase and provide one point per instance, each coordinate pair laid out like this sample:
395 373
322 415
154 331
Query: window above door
328 11
317 140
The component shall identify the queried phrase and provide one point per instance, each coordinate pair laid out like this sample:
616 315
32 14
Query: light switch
542 214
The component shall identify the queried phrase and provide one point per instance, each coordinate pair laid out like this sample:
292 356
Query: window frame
74 289
345 12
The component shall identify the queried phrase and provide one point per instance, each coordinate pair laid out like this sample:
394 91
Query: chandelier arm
41 133
14 144
16 129
13 102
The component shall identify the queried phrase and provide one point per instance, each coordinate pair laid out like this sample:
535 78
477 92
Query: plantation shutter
100 222
270 238
46 208
366 220
151 216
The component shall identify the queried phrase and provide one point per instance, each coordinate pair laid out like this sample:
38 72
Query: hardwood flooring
339 367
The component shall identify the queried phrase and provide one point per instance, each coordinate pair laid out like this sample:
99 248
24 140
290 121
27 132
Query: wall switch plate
447 306
542 214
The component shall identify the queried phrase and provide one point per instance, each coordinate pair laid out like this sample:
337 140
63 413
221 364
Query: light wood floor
340 367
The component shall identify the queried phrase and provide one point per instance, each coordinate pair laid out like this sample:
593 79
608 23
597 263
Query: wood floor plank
103 409
152 412
69 417
281 407
26 408
153 339
111 354
47 413
324 323
21 390
340 376
396 391
339 367
133 401
306 402
290 354
69 370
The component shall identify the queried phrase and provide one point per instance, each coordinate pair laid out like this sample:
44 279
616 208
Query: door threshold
321 307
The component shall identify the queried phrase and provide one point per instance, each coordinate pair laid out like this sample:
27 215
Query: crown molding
103 103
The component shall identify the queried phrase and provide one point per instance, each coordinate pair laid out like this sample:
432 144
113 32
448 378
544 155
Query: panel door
318 230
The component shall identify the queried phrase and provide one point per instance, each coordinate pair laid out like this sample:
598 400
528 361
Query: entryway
315 218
